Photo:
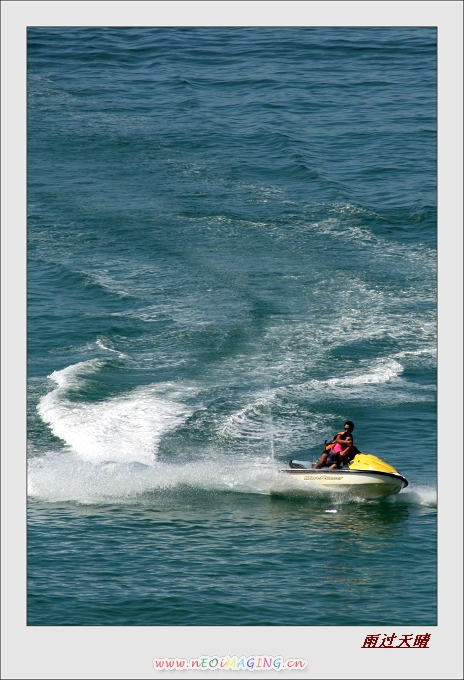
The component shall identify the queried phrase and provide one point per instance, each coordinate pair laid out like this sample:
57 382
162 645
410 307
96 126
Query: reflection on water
354 516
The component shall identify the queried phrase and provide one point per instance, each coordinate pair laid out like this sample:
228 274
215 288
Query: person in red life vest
337 451
342 457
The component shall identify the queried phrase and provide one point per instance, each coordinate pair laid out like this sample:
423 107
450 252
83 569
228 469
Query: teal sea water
231 251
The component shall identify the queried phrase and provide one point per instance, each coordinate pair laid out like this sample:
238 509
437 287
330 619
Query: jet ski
366 477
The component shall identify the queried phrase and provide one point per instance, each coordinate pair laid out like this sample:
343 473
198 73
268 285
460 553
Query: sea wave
127 428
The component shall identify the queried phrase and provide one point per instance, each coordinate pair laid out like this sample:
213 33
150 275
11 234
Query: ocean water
231 251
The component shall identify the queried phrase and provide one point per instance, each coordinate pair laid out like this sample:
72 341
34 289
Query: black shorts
332 458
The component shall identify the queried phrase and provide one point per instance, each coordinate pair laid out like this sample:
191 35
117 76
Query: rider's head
349 426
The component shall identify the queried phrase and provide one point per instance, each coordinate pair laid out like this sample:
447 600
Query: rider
339 446
343 457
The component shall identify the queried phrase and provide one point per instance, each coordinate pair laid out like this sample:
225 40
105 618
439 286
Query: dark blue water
231 251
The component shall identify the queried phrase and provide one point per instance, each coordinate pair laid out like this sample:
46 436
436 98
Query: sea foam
127 428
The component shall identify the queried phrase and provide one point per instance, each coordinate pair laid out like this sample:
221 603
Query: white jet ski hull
366 484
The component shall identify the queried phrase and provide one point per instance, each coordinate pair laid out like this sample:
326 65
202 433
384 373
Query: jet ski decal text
315 477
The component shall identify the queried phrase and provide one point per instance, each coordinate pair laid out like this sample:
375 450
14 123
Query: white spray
271 430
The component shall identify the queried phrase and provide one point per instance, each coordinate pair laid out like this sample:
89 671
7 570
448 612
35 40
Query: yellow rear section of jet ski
366 461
